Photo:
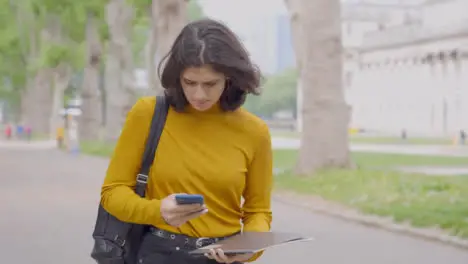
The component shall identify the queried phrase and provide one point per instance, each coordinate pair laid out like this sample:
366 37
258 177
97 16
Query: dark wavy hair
209 42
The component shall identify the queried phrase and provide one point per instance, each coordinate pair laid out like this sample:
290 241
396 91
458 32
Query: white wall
353 32
445 13
428 99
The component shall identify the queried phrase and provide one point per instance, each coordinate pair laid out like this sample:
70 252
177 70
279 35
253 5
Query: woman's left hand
218 255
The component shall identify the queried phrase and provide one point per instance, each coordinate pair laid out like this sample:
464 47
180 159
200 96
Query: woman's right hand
177 214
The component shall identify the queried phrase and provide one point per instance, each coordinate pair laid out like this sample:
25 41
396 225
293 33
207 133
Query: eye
210 84
189 82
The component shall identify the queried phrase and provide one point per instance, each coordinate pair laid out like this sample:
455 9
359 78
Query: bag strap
157 125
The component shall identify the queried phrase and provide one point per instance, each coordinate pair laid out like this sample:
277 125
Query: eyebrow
192 81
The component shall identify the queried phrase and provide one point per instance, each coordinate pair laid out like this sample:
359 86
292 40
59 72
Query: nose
199 93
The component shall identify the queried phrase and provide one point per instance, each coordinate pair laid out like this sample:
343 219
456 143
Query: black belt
186 241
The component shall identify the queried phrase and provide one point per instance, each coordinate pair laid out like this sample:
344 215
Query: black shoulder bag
117 242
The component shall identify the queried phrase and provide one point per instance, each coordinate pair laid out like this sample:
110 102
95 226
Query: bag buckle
141 178
119 241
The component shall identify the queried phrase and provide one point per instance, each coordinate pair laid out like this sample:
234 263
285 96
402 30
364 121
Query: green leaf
194 10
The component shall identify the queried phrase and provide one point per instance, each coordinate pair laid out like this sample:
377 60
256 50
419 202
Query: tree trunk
29 49
294 8
168 19
119 76
38 114
90 119
61 76
317 37
37 103
151 67
36 99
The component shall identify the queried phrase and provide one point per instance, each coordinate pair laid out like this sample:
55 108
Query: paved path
49 202
17 144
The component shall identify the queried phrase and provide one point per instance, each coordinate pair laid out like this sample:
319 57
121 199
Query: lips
201 103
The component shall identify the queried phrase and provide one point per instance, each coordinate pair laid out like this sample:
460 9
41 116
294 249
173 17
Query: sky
240 15
235 14
254 21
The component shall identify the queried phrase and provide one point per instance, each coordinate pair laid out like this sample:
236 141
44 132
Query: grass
424 201
101 149
286 159
359 139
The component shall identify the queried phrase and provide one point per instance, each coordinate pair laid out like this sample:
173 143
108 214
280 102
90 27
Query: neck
216 108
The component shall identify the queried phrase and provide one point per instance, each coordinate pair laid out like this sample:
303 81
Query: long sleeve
257 215
118 196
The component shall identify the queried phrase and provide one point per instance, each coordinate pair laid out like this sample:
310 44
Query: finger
179 219
216 256
222 257
189 216
211 254
186 218
188 208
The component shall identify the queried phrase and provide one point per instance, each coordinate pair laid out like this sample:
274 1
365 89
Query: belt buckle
199 242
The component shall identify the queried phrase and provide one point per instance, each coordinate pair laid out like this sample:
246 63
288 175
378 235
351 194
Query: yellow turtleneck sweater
222 155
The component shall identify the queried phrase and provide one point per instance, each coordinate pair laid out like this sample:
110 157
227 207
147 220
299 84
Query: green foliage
12 59
279 93
21 20
75 16
142 9
53 54
23 51
139 38
51 6
194 10
74 22
97 8
78 58
103 30
141 4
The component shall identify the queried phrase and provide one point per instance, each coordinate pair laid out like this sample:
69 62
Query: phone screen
189 199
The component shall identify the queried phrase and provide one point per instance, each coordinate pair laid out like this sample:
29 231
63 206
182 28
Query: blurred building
359 17
260 40
405 64
412 73
285 57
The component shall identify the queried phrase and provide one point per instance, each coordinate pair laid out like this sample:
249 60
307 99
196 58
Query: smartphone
189 199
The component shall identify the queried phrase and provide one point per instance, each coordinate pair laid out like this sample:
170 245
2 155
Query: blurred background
367 103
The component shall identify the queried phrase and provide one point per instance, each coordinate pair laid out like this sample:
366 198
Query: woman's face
202 86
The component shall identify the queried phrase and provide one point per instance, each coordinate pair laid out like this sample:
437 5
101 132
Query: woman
209 146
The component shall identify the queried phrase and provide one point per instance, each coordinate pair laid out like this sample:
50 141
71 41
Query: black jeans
157 250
